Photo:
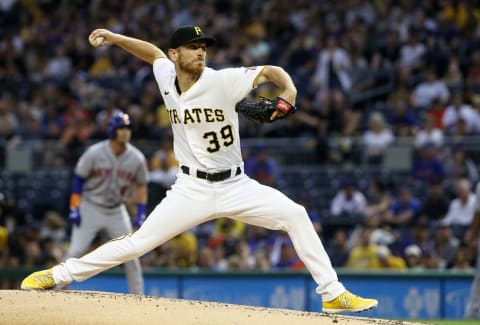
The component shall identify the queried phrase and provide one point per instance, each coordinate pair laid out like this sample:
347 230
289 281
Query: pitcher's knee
296 213
128 246
140 245
300 211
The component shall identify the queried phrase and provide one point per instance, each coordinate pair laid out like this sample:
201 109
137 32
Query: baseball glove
262 110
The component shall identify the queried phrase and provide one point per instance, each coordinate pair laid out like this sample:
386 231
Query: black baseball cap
187 34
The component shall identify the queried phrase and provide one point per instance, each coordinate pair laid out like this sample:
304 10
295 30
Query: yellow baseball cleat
348 302
41 280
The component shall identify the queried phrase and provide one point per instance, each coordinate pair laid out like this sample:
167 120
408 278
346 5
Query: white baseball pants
192 201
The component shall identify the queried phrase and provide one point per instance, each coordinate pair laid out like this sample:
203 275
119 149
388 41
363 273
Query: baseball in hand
95 41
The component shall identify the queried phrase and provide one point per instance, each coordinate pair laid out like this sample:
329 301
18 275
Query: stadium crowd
369 74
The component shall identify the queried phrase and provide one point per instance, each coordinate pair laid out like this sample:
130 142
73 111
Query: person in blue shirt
262 167
404 210
428 167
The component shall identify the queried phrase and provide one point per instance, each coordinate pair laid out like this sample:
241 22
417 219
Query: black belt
212 177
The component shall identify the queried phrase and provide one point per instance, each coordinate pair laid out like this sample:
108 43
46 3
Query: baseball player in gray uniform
211 183
472 237
104 178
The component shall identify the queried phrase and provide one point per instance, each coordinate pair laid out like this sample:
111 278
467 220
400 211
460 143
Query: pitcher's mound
88 307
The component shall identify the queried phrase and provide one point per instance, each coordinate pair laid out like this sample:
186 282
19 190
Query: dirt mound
88 307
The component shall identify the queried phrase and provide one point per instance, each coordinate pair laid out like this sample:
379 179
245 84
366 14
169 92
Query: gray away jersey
108 178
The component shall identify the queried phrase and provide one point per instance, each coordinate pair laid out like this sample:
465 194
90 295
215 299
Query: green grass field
449 322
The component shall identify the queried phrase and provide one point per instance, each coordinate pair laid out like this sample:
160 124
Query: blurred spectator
378 199
429 90
229 231
52 252
430 260
388 261
376 139
60 65
461 209
54 227
179 252
343 148
389 50
8 120
76 138
404 211
221 262
437 112
427 166
418 235
309 121
262 262
411 53
283 255
52 124
461 131
428 133
382 234
337 248
435 204
402 120
332 74
24 250
262 167
464 259
457 112
140 130
401 91
30 128
473 72
413 255
258 238
183 250
32 255
301 58
206 258
349 204
454 77
445 246
458 165
364 254
257 48
162 171
241 258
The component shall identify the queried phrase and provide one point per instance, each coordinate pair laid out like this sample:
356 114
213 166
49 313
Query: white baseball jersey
203 118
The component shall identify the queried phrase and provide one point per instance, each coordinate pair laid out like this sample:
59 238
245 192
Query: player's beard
192 66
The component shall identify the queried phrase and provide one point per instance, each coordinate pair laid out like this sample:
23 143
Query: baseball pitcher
104 178
202 106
